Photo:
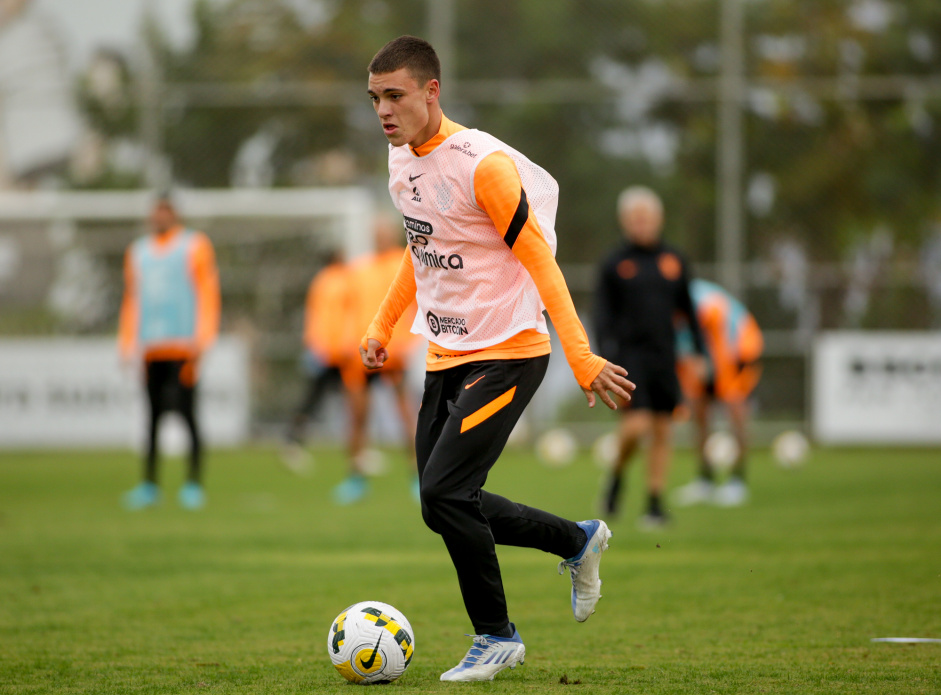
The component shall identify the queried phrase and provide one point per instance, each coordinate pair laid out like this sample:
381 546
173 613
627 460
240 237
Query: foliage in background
822 170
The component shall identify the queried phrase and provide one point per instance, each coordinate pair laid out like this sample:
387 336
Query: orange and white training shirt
480 263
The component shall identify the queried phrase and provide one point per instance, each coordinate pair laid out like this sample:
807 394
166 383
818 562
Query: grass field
782 596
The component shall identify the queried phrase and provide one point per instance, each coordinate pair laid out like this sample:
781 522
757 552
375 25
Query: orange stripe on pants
482 414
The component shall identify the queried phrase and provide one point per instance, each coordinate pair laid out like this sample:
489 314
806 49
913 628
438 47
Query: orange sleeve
500 194
401 293
208 300
130 311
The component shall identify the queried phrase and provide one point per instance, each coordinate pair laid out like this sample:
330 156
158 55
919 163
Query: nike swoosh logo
474 382
372 657
412 178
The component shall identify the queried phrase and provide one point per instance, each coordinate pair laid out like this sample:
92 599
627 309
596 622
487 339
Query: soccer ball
790 449
721 451
605 451
370 642
556 448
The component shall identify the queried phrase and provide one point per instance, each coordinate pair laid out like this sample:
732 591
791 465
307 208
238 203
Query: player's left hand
612 378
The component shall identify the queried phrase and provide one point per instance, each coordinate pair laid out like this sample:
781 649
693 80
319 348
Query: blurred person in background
642 285
370 279
169 318
480 222
327 348
733 346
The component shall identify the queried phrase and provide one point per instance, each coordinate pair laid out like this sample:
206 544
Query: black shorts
658 388
168 389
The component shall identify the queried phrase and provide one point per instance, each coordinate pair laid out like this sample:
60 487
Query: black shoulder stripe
518 221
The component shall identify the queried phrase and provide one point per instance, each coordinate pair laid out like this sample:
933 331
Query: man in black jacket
643 284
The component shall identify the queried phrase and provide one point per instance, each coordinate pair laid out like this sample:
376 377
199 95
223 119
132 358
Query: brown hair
408 52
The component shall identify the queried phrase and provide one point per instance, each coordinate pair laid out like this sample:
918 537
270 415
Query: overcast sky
89 24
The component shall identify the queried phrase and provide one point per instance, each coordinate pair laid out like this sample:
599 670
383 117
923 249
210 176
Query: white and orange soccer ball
371 642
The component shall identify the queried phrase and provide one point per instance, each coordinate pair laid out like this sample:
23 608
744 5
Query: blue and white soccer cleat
583 568
146 494
191 496
488 657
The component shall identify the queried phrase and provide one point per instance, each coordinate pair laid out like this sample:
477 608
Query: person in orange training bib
479 220
734 345
369 281
169 317
327 338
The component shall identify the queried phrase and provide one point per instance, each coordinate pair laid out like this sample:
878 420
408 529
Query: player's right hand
374 355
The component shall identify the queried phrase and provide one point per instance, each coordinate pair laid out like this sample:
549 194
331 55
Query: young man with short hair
479 220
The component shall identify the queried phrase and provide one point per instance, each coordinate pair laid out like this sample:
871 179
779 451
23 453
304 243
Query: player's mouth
389 128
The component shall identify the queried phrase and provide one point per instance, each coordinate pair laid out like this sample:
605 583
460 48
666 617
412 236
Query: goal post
351 206
61 265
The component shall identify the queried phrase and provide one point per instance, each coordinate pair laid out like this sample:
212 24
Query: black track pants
466 417
167 392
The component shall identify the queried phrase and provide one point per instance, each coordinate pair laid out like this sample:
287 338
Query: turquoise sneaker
145 495
191 496
416 489
351 490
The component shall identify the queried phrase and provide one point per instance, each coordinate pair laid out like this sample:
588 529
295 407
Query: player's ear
432 90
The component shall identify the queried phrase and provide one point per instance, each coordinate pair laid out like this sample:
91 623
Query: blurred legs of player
734 491
322 378
731 386
636 426
649 415
171 385
356 484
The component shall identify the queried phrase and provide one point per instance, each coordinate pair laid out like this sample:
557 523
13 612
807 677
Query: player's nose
384 108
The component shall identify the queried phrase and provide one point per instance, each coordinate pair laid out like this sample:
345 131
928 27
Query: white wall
877 387
73 392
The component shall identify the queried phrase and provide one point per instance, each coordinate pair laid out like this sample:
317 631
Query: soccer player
370 279
642 285
327 335
169 317
479 218
733 343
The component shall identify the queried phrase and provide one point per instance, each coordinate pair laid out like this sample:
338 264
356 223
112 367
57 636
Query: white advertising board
877 387
74 393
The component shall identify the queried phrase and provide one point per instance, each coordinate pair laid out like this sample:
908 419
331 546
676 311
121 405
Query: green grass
781 596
